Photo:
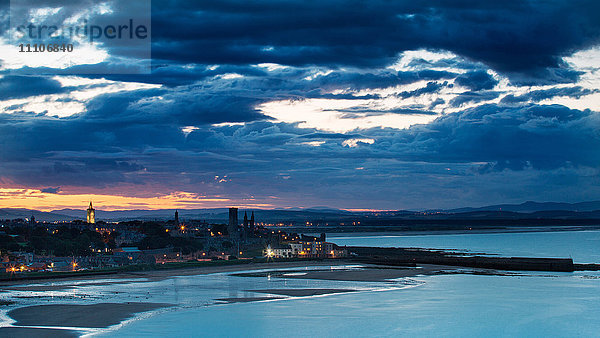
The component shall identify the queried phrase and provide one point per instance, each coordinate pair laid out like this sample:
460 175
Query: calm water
582 246
448 306
530 304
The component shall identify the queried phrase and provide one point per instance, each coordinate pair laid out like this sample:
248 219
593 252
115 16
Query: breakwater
411 256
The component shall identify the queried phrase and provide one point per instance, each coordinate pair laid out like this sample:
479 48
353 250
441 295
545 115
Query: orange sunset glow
38 200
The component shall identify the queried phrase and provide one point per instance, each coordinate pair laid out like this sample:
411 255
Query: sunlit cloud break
36 199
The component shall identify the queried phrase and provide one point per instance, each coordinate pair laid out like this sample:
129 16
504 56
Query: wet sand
302 292
369 274
19 332
246 299
74 315
157 275
372 274
364 274
66 286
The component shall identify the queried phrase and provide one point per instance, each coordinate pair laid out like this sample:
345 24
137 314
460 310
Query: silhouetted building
248 228
245 226
176 217
32 220
91 214
232 227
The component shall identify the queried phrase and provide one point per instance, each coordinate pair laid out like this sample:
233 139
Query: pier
412 256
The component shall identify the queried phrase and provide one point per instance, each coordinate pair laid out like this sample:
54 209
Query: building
279 251
232 227
176 218
296 248
248 223
333 251
305 247
91 214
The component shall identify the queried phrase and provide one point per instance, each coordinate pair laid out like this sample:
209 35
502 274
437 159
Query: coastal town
33 246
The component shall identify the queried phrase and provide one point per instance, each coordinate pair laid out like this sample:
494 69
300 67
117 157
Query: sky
273 104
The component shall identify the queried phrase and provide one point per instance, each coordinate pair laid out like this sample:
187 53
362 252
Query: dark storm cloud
4 16
520 37
472 97
431 87
16 87
543 137
172 75
51 190
353 113
539 95
381 79
478 80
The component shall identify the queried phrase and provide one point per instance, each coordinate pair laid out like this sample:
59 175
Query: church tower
91 214
176 218
232 227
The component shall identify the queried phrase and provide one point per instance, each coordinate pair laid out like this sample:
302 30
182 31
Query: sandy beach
76 315
302 292
155 275
366 273
19 332
371 274
246 299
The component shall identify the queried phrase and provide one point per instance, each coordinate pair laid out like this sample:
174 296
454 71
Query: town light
269 252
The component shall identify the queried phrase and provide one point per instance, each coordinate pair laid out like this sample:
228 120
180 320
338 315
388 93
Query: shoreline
163 273
381 231
141 269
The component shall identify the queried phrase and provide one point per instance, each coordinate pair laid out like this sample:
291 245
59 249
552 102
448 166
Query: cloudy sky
348 104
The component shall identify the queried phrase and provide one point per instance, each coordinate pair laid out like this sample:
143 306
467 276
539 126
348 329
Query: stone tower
91 214
232 227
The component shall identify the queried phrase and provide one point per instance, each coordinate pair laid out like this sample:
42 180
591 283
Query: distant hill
39 215
529 207
531 210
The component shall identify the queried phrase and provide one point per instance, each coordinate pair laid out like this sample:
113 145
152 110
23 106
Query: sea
514 304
